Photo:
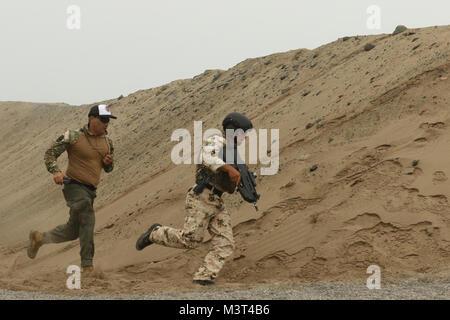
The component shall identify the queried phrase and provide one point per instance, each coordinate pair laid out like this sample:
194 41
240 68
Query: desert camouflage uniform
79 198
205 211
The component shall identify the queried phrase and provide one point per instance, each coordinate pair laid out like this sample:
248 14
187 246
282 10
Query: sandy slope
370 115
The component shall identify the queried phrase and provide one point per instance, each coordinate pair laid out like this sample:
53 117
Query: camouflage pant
81 222
203 212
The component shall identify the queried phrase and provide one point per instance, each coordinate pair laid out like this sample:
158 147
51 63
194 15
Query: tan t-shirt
86 159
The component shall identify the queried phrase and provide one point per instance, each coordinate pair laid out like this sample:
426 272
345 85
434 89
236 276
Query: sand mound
374 122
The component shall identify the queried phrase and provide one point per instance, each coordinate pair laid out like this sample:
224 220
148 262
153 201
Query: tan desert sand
376 123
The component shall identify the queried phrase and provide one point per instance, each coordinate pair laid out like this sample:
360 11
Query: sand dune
375 123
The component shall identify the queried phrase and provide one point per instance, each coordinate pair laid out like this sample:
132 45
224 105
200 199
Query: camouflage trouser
205 211
80 200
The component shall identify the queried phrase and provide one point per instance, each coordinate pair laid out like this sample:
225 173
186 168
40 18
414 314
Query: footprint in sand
421 140
436 125
383 147
439 176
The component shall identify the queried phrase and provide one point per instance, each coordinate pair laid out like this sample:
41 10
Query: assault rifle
247 184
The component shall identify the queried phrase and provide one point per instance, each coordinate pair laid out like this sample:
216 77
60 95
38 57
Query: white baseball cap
101 110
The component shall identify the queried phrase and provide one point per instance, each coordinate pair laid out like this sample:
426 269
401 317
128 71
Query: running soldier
204 206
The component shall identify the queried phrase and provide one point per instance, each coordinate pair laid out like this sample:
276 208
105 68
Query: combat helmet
236 120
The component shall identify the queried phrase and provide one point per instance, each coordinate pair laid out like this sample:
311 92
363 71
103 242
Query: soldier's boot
144 240
35 243
203 282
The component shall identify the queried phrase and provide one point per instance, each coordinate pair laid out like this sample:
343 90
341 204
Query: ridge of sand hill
361 116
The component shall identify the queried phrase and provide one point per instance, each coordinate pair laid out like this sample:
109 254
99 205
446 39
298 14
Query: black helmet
236 120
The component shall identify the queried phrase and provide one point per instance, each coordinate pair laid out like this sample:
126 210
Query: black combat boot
144 240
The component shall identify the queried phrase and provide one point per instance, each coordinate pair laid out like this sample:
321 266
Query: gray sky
124 46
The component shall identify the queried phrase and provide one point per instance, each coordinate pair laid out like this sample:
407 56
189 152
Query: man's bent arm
52 154
108 168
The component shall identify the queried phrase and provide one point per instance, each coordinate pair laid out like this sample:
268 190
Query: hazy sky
124 46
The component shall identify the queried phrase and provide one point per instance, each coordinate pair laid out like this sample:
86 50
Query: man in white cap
89 151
